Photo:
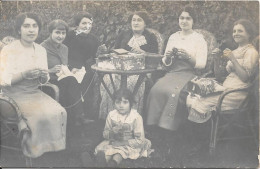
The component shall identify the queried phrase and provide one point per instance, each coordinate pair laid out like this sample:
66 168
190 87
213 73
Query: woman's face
58 35
122 106
29 30
240 34
85 25
137 23
185 21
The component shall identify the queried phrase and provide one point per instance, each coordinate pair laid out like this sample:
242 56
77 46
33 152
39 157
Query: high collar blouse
15 58
194 44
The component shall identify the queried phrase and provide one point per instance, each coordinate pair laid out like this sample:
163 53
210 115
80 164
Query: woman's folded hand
31 74
228 53
169 54
216 51
55 69
182 54
44 73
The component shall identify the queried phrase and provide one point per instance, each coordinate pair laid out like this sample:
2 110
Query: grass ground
171 151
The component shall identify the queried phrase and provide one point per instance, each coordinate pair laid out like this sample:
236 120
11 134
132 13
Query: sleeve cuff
163 61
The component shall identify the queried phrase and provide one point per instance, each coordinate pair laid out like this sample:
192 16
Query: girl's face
137 23
58 35
185 21
29 30
85 25
240 34
122 106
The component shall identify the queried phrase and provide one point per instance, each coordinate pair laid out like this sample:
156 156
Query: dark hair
142 14
124 93
19 20
191 12
77 18
249 27
58 24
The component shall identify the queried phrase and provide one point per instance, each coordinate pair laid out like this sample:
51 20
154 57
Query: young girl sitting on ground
123 133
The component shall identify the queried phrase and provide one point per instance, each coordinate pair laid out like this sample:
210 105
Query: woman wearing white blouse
186 50
23 68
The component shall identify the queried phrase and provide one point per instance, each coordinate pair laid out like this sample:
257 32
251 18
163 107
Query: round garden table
142 76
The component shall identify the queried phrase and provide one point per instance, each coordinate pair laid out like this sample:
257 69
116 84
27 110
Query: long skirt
166 100
201 108
70 99
44 119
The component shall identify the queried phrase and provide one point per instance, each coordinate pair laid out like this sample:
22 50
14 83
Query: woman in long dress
82 47
137 40
23 69
69 88
186 51
241 66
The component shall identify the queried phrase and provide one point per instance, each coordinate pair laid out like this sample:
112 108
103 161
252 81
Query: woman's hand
228 53
31 74
182 54
169 54
44 74
215 51
55 69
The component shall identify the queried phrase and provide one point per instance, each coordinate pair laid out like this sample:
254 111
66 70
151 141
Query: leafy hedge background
110 17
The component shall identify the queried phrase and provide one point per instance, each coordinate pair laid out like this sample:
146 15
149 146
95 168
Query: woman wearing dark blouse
150 45
136 40
57 54
83 47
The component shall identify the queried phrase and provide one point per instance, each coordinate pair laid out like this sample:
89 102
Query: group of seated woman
25 66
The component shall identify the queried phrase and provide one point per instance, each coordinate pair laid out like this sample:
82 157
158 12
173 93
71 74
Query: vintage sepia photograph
129 84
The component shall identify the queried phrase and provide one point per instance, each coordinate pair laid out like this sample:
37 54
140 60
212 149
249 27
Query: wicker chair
10 115
244 119
211 44
158 38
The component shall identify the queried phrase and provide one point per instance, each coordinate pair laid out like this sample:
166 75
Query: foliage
111 17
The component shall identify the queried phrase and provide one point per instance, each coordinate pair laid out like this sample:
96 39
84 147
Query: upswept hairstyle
126 94
142 14
249 27
191 12
19 20
58 24
77 18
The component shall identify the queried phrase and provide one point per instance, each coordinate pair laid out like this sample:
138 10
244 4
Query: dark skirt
167 99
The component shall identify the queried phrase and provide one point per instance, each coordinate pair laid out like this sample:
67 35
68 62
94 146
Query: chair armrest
225 93
54 90
10 116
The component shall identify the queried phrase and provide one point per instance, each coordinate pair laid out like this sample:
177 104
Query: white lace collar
136 42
